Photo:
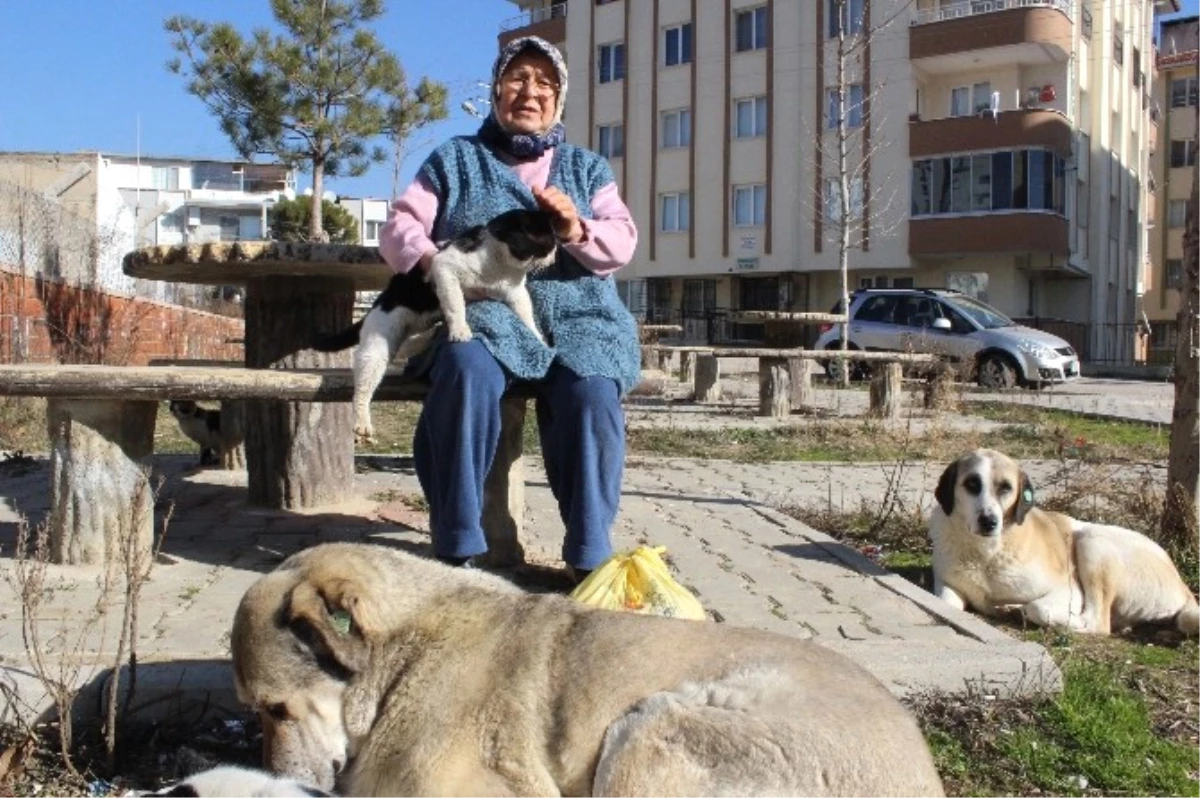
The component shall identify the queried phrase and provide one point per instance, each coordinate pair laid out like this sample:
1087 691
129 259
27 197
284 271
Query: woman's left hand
566 217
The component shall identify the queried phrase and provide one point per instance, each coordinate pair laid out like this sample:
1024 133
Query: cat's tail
336 342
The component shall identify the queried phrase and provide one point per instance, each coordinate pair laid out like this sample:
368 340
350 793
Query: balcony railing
555 11
970 8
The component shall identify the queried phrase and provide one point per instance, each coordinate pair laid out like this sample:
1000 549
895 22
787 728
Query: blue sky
79 73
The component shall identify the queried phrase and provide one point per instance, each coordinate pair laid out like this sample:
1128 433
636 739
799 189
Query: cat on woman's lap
490 260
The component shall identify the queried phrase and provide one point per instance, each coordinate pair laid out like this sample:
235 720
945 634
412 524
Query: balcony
958 36
548 22
1008 130
988 233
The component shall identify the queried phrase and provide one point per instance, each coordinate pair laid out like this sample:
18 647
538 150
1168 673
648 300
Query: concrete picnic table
298 454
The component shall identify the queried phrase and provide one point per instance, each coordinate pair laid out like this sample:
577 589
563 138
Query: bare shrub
65 655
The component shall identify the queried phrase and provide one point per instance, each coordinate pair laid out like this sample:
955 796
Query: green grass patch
1061 433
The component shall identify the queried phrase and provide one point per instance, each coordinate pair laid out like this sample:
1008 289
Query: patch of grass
1060 433
1101 736
23 424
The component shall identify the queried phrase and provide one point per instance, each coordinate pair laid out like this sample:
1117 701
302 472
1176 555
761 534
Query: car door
956 343
873 326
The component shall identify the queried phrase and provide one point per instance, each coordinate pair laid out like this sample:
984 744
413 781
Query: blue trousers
582 430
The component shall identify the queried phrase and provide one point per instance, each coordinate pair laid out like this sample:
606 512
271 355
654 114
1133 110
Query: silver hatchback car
989 346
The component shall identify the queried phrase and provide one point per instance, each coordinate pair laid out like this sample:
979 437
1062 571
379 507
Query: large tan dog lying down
994 551
402 676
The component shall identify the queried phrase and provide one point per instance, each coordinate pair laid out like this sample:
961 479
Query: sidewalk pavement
750 565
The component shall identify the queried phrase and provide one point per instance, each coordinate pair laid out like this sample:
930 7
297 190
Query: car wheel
998 372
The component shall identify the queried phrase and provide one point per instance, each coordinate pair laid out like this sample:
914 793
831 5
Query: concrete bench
785 375
101 423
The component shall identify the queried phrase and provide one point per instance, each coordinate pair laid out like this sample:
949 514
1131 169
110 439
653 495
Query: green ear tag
1027 495
341 621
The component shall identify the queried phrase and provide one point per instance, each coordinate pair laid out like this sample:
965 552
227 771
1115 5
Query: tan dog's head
986 491
300 636
305 636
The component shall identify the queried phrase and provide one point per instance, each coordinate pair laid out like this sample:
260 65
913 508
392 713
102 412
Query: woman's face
528 94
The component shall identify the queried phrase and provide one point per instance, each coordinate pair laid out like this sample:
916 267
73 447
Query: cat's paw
460 334
364 433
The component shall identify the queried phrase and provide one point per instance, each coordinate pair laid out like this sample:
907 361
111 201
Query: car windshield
985 316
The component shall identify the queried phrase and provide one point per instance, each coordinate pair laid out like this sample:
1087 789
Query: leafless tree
1181 515
851 116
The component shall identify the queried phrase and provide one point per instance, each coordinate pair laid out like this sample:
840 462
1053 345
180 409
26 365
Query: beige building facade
1173 170
994 146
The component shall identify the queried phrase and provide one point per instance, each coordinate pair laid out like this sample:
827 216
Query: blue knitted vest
585 323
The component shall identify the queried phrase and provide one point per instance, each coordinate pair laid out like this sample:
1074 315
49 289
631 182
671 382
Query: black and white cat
202 426
490 260
228 780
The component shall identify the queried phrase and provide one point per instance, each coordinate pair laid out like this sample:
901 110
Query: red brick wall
47 321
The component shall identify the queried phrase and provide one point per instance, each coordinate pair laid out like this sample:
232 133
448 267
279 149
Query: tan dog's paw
364 433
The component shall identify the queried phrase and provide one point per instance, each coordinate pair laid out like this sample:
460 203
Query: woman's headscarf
526 145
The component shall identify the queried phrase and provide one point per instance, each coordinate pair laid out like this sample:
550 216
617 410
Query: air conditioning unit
193 217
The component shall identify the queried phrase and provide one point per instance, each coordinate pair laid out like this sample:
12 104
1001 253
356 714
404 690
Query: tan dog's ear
944 493
325 619
1024 500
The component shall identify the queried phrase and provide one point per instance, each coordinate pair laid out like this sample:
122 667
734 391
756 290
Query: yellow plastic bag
638 581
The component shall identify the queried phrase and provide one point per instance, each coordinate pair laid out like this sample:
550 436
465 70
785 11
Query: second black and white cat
491 260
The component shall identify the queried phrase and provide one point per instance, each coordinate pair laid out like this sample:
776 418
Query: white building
370 213
127 201
999 147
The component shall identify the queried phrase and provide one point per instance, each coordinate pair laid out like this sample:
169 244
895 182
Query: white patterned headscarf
540 45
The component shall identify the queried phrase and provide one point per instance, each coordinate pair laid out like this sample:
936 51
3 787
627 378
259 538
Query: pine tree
313 96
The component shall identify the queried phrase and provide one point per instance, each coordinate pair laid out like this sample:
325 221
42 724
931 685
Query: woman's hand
566 217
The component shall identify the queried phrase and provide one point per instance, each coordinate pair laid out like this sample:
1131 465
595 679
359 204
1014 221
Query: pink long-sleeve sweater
609 238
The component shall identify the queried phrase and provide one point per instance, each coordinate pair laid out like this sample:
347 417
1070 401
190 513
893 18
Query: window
837 12
612 62
750 29
1184 92
166 178
750 117
1183 152
699 296
1085 21
1176 213
1118 50
633 294
675 211
228 228
676 128
998 181
876 308
968 100
749 206
216 176
853 105
677 45
833 199
658 300
1174 273
373 226
610 140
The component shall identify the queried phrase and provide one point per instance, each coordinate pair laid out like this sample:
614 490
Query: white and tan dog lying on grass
994 551
395 675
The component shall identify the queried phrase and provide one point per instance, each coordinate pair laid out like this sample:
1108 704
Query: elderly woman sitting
519 159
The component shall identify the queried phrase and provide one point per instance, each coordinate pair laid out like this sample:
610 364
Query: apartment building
1173 172
994 146
110 203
